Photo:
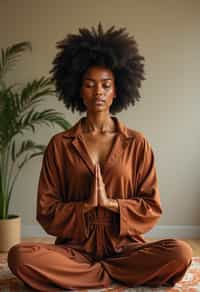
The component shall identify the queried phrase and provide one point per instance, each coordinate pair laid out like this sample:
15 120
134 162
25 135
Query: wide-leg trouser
49 267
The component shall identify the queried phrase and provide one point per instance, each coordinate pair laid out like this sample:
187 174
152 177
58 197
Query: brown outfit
92 249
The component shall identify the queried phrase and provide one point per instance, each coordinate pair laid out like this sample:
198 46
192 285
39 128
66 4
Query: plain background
167 33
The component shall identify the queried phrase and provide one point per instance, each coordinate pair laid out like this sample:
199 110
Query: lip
99 100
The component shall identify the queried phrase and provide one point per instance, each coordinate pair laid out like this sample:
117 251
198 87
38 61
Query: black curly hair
113 49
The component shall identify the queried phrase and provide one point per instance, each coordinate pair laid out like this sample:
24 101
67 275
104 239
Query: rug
190 282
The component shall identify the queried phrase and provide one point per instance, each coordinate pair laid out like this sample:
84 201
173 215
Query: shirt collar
77 130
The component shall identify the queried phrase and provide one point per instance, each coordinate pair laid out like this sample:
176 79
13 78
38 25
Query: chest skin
99 146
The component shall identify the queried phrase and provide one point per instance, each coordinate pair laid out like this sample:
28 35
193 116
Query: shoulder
68 134
137 136
139 140
57 145
55 140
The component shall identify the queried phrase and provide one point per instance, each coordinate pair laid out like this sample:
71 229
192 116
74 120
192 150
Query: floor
195 244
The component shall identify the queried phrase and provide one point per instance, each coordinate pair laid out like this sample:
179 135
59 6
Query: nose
98 90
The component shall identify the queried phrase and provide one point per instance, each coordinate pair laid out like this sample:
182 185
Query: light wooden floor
195 244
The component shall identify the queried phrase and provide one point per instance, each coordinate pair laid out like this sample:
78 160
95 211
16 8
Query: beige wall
168 36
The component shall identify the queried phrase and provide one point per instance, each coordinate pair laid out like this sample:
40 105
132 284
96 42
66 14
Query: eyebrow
104 79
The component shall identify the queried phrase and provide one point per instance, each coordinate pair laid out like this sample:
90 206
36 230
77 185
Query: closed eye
107 85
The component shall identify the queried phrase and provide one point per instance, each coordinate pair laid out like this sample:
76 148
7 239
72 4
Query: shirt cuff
123 225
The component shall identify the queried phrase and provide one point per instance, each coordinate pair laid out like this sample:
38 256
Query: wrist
87 207
113 205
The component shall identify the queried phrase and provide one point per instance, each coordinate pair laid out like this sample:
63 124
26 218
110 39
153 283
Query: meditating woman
98 189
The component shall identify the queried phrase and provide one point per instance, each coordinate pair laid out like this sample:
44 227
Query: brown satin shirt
65 182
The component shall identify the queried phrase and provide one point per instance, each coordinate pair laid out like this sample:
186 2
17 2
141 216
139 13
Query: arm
139 214
58 218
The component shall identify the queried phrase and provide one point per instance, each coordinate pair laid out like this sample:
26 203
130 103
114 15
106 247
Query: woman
98 190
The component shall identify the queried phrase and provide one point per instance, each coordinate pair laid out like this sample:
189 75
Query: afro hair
113 49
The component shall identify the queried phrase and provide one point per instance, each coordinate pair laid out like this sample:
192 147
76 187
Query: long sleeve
58 218
140 213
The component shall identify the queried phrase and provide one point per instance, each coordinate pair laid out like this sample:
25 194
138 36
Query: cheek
112 92
110 95
86 92
110 100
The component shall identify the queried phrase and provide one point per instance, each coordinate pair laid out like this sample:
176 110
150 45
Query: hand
92 201
98 195
103 200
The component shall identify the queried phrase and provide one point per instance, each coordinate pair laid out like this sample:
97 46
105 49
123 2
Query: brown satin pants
49 267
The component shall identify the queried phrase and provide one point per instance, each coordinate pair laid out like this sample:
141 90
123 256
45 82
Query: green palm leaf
10 56
48 117
25 146
19 112
34 92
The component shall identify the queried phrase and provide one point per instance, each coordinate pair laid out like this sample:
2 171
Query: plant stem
4 180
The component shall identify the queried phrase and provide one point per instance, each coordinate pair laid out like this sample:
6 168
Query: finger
100 176
101 183
96 189
99 170
100 180
96 175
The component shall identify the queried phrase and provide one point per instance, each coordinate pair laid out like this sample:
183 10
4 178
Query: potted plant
19 113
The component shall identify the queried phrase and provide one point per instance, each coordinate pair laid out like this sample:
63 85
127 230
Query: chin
99 109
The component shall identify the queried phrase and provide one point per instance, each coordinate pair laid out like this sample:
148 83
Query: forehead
98 73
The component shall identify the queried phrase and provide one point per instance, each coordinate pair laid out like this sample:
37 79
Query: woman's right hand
92 201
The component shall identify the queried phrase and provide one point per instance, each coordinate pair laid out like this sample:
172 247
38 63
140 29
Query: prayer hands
93 199
103 200
98 194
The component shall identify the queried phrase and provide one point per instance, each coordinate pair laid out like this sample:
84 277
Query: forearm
87 207
138 215
62 219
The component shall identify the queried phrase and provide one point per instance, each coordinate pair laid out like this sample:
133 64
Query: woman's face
98 89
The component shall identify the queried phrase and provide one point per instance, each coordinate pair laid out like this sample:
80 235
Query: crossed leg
157 263
49 267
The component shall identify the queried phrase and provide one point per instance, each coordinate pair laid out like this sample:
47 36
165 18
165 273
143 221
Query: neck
101 122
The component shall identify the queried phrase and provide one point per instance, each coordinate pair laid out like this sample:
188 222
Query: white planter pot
10 232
